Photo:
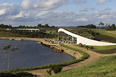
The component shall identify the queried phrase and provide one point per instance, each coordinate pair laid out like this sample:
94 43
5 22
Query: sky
57 12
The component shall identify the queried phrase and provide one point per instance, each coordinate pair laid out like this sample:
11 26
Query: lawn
104 67
104 32
101 49
104 49
9 34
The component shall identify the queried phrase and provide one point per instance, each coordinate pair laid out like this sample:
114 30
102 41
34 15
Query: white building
86 41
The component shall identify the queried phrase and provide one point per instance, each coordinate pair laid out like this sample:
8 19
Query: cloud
15 15
5 8
84 9
102 1
26 4
106 9
2 11
43 5
92 9
79 1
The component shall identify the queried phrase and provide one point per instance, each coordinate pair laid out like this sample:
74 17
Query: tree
90 26
108 27
20 26
7 52
10 26
101 24
113 27
46 25
39 25
52 26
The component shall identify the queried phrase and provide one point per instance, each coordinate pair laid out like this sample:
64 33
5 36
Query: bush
56 69
87 47
23 74
91 47
49 71
3 74
81 45
19 74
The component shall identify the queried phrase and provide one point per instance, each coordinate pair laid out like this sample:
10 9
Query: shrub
81 45
87 47
49 71
19 74
91 47
23 74
56 69
3 74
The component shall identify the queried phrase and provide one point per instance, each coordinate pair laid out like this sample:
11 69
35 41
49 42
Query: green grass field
101 49
8 34
104 67
104 49
104 32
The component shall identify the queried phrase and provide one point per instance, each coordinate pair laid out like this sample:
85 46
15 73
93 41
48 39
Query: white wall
84 40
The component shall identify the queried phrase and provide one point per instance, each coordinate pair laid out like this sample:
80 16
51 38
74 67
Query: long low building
83 40
28 29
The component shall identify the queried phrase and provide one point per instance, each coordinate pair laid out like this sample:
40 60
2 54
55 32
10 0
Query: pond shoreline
72 53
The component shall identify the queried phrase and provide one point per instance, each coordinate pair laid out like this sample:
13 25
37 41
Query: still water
30 54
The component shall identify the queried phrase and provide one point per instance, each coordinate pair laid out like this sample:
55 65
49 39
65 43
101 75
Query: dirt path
93 56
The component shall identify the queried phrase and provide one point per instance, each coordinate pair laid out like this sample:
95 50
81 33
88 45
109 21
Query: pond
30 54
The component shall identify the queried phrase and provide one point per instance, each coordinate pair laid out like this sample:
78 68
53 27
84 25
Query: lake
30 54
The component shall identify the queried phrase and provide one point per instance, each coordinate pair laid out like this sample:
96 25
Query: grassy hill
104 67
104 32
95 34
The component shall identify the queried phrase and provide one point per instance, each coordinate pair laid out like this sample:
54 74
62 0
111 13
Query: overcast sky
57 12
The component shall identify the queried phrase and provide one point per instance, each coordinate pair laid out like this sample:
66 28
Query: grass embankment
104 67
101 49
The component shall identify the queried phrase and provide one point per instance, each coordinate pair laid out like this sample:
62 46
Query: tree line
38 26
5 26
107 26
87 26
23 26
110 27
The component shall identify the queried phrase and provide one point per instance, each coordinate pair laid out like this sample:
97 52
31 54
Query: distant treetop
87 26
5 26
